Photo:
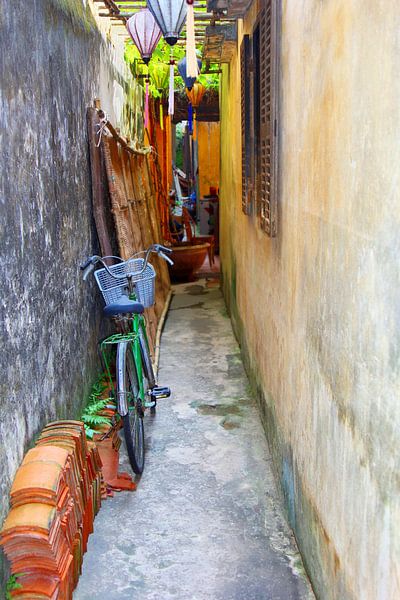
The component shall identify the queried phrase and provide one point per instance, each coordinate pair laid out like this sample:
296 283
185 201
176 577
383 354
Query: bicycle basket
112 289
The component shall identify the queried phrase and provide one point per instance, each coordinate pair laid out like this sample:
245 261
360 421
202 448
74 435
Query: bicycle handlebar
88 266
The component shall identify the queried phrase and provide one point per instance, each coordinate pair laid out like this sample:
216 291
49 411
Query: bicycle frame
132 338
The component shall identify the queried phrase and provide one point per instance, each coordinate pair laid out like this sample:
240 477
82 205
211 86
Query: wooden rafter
119 11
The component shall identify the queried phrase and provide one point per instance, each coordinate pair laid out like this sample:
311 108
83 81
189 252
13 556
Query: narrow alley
206 521
200 211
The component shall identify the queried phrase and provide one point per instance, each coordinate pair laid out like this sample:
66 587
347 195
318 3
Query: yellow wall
209 145
317 308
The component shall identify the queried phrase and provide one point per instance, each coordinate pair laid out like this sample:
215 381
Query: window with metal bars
269 113
245 74
256 156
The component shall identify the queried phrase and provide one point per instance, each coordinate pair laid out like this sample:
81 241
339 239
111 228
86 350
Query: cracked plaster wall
317 309
53 63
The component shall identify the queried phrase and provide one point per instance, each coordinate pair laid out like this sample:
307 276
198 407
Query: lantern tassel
192 69
161 115
190 118
171 99
146 106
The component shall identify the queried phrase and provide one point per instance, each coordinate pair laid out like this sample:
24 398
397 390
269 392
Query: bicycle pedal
159 392
150 404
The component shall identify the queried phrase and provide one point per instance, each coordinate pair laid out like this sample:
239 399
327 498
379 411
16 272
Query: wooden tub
188 258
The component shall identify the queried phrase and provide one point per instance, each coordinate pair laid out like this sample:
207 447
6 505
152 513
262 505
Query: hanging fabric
171 97
192 69
146 106
161 114
190 118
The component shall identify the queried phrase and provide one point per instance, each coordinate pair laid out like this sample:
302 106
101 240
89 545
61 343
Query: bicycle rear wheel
130 406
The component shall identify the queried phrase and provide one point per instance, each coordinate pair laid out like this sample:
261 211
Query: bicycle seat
123 306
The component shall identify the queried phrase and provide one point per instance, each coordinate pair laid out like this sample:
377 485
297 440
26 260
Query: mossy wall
53 63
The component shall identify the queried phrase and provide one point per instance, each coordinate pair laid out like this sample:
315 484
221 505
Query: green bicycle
128 288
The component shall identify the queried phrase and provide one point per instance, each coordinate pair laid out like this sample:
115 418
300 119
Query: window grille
246 124
269 112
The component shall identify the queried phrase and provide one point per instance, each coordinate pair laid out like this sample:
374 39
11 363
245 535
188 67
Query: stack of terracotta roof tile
54 498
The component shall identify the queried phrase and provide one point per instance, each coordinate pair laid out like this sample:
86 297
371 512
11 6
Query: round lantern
189 81
170 16
144 32
160 75
196 94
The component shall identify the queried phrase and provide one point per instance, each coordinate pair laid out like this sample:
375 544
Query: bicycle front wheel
130 406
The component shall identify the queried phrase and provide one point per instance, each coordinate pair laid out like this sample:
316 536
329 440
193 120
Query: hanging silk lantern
170 16
160 75
189 81
144 32
196 94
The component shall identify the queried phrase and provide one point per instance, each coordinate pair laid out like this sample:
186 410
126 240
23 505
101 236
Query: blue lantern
189 81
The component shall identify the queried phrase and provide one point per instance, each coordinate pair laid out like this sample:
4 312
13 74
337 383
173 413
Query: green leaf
89 432
12 584
95 420
95 407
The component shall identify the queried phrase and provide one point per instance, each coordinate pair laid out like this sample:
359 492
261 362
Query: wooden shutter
269 97
246 121
256 158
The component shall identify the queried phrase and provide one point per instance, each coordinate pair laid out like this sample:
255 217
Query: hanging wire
101 127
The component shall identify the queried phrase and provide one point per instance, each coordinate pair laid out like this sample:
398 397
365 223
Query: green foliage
79 13
90 413
210 80
163 52
180 134
95 404
12 584
159 61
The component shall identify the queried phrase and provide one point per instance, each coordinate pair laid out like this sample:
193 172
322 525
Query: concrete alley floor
205 522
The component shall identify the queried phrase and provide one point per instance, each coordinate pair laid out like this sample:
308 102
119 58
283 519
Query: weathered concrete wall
53 62
317 308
